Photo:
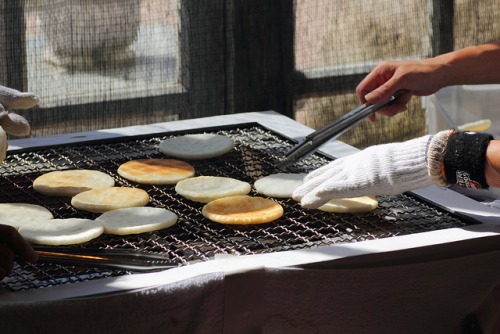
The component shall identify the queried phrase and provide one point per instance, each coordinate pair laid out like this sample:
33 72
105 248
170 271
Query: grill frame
191 130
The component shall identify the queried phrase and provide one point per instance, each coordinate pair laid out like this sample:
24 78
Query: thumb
382 92
15 124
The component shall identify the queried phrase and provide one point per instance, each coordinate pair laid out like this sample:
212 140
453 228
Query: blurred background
98 64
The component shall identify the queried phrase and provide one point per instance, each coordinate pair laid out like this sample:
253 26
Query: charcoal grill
194 239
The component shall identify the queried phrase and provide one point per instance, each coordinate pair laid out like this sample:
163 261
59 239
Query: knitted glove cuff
435 157
458 158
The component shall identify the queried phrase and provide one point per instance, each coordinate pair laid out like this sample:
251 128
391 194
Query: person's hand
492 166
473 65
417 77
12 243
11 99
388 169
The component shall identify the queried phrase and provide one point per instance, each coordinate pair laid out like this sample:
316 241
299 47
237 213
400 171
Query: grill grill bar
194 238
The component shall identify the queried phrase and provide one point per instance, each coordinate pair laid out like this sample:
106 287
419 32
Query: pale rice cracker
242 209
156 171
350 205
205 189
136 220
196 146
110 198
279 185
71 182
61 231
19 214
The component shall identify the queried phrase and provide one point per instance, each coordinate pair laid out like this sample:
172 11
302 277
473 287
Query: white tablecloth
429 290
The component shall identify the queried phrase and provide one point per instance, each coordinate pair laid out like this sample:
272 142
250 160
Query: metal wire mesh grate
194 238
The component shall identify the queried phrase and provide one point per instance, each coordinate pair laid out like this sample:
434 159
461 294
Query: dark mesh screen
99 64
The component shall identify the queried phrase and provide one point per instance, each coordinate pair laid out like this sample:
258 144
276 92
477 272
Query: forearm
469 66
492 167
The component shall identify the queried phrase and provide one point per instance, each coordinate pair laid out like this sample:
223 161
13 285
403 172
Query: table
422 283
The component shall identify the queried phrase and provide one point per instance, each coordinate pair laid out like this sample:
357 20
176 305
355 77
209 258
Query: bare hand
12 243
418 77
492 166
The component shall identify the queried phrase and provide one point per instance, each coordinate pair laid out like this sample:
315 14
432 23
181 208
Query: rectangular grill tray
195 238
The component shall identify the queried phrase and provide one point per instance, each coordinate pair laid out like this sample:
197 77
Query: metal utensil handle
331 131
123 260
347 121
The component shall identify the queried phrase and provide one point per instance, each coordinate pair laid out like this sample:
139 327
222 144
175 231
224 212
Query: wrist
492 164
461 158
435 157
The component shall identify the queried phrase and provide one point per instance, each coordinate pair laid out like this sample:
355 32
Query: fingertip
33 100
361 95
311 202
381 93
32 256
310 206
394 109
398 108
372 97
298 194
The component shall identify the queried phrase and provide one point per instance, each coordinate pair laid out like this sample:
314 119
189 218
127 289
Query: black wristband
464 159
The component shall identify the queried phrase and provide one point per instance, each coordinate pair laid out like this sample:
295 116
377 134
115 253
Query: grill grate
195 238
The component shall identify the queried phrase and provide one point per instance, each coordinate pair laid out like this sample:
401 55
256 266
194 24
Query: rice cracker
205 189
350 205
242 210
105 199
196 146
279 185
19 214
61 231
156 171
136 220
71 182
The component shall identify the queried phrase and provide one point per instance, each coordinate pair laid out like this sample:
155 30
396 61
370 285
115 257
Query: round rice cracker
56 232
242 210
156 171
71 182
279 185
196 146
350 205
19 214
136 220
205 189
101 200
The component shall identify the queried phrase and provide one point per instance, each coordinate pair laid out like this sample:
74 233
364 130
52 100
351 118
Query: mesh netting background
100 64
341 33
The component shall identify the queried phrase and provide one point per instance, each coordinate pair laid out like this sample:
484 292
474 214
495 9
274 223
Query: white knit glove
388 169
13 99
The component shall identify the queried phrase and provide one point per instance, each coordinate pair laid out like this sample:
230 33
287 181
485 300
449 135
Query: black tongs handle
333 130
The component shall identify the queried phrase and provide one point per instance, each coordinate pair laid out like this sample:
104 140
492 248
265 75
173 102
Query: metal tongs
123 259
333 130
